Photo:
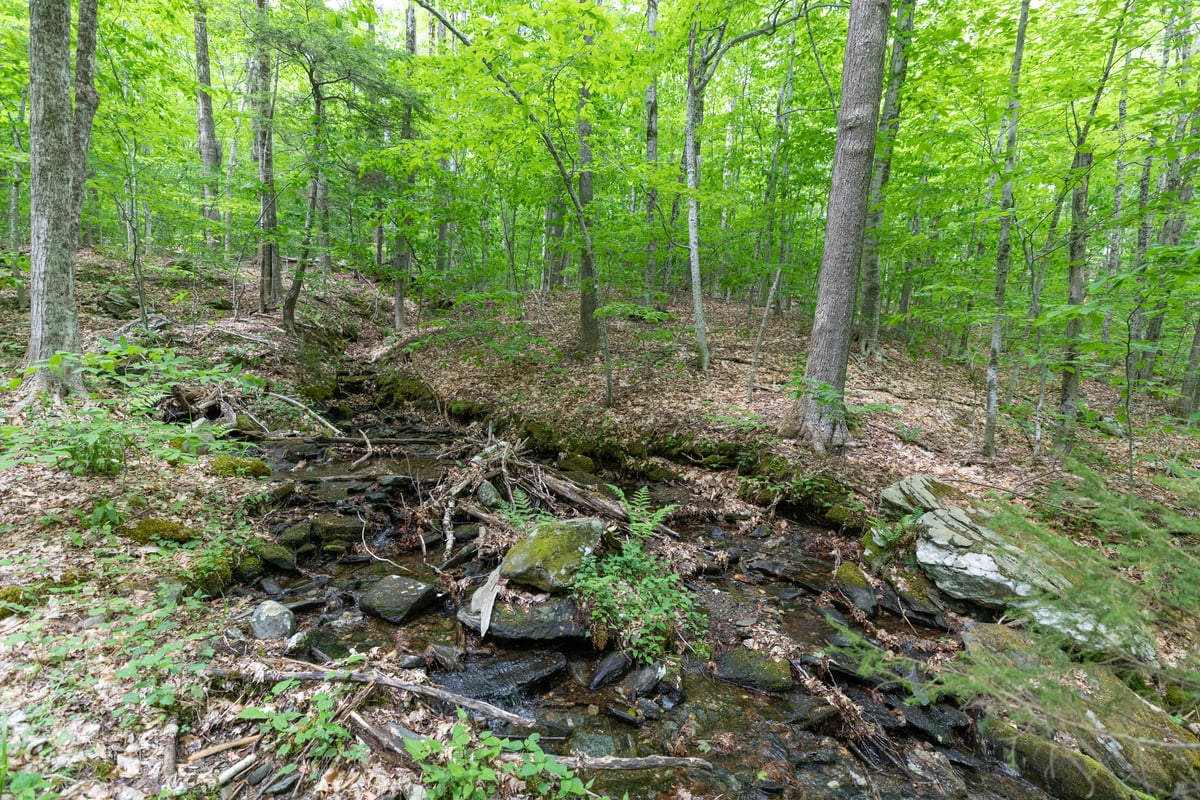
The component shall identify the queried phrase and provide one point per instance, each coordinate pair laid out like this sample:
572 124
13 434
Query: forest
847 353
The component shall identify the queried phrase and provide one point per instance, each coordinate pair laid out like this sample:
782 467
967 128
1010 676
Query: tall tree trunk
1004 247
552 245
819 414
1112 256
651 271
889 127
1068 402
589 326
1189 394
210 146
404 248
231 162
693 117
16 175
312 211
270 267
58 146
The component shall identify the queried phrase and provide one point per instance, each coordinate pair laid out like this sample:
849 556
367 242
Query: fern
521 512
644 519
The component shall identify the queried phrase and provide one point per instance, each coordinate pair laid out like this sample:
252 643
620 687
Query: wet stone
504 676
396 598
753 670
610 670
556 618
271 620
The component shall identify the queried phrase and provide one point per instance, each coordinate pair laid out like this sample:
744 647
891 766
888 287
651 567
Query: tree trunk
650 274
1189 394
58 146
819 415
16 175
889 127
1004 247
270 268
589 326
1072 365
210 146
404 249
311 221
691 158
1112 257
552 246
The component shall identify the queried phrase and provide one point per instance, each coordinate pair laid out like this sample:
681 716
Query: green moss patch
234 467
164 530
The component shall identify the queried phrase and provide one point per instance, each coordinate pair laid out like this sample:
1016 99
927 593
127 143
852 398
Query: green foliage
128 381
469 766
634 599
315 731
521 513
234 467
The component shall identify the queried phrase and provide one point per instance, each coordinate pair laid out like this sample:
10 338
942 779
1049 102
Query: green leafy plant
633 598
316 731
521 513
470 766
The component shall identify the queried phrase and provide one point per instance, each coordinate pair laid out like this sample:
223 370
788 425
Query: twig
378 738
303 407
171 732
366 455
383 680
230 774
614 763
221 748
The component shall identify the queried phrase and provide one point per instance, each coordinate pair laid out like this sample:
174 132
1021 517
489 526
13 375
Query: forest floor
101 689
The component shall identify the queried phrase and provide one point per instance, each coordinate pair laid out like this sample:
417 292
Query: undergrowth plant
126 382
472 766
633 598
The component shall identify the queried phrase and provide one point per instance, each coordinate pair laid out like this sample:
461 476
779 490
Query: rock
917 597
488 495
296 535
297 642
644 680
853 583
971 562
271 620
1061 771
504 676
330 527
595 745
549 556
574 462
1109 722
396 598
556 618
276 555
808 712
753 670
916 495
610 670
935 769
1009 570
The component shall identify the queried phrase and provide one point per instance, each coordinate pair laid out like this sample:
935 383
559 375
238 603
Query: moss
317 392
396 388
575 462
1064 773
849 575
70 578
15 596
847 517
465 410
162 529
249 569
234 467
210 574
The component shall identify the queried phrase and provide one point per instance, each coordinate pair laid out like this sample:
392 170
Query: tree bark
404 249
693 117
553 253
209 145
589 326
58 146
311 221
819 415
1004 246
1068 403
650 274
889 127
16 176
270 268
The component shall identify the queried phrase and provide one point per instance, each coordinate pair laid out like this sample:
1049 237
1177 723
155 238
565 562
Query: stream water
783 744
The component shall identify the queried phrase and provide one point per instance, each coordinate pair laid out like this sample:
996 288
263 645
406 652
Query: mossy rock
249 569
852 582
318 392
274 554
1061 771
234 467
164 530
296 535
847 517
397 388
575 462
11 596
543 438
211 575
466 410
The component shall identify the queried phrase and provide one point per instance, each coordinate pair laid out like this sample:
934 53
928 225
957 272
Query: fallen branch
222 747
342 676
308 410
365 455
593 502
645 762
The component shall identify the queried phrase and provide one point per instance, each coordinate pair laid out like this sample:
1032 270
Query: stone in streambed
276 555
753 670
271 620
395 598
853 583
556 618
550 555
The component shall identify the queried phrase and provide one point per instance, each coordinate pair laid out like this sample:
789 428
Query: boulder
556 618
1117 731
396 598
272 620
753 669
972 562
504 676
917 494
549 556
276 555
853 583
330 527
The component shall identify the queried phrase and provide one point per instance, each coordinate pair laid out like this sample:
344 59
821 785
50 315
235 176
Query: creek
353 520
